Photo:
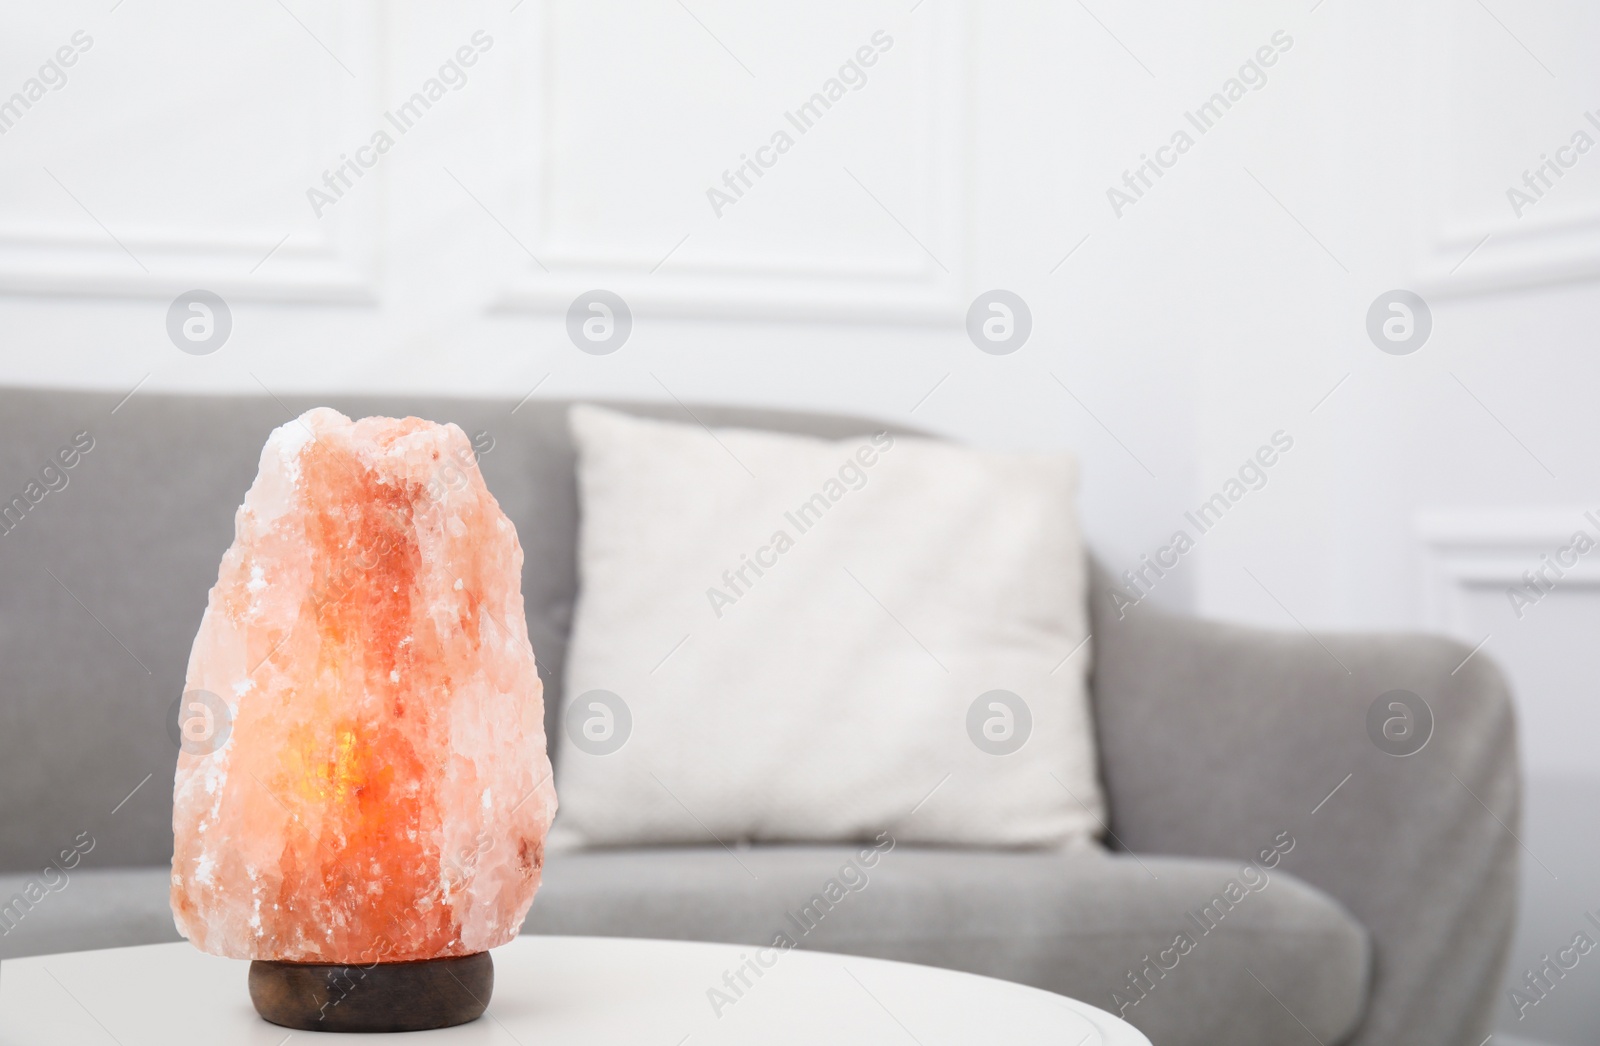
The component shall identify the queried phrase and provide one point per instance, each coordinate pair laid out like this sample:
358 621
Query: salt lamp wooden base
386 996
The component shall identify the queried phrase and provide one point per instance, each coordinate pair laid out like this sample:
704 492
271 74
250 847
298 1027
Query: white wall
1225 304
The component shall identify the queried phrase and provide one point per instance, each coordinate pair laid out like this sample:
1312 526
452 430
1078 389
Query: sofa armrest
1214 738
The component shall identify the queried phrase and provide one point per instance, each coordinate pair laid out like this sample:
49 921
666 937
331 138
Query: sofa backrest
105 565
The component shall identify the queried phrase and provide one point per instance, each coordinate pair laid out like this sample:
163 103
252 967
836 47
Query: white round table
583 991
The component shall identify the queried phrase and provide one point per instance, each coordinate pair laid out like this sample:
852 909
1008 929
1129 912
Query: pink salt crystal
384 792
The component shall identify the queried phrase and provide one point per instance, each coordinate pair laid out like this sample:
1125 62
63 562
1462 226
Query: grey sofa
1383 917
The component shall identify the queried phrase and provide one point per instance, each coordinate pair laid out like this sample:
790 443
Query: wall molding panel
695 268
1489 246
1473 551
333 261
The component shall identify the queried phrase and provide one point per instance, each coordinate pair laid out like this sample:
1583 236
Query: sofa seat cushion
1283 955
1277 960
87 908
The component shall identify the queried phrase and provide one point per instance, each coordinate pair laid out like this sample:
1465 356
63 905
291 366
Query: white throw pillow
786 638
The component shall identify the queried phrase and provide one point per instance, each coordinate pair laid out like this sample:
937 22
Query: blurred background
1204 210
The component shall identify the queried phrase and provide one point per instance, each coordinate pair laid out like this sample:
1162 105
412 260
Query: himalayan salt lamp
363 790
